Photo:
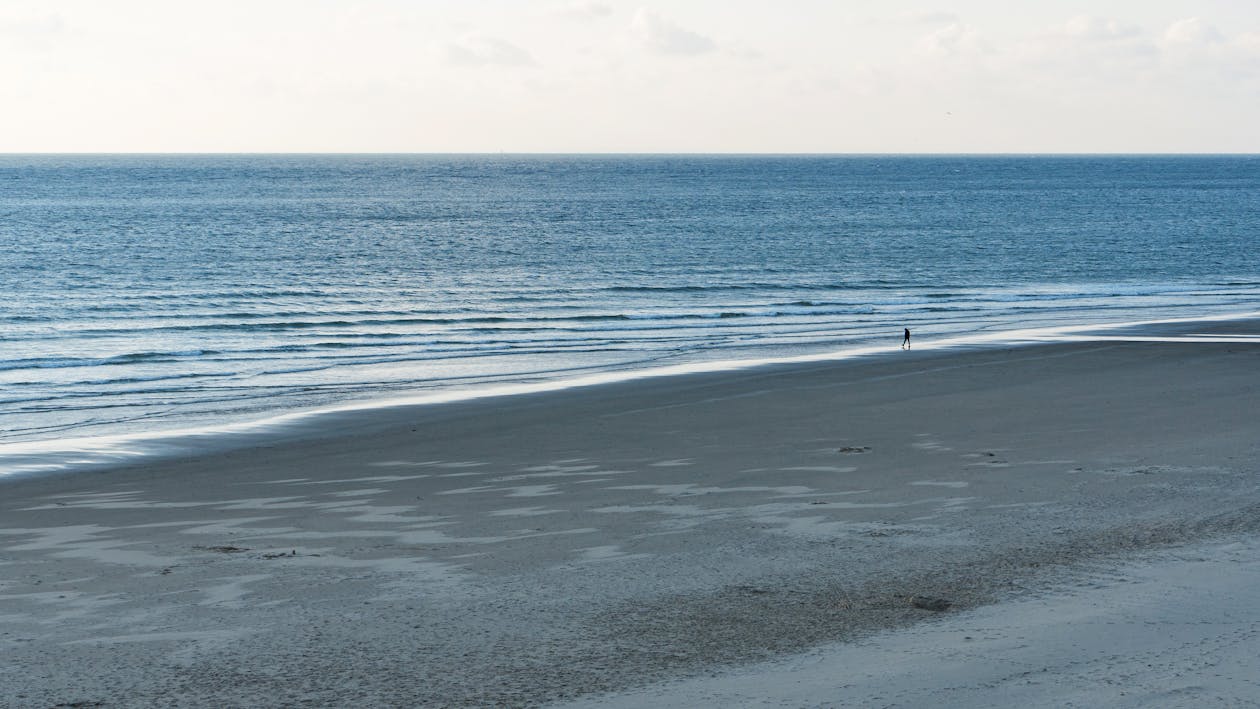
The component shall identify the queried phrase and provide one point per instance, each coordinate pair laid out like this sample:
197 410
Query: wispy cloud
1096 29
931 17
26 25
664 36
954 39
32 30
1191 31
1092 50
476 51
584 9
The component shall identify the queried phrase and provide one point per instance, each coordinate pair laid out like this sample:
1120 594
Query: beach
807 534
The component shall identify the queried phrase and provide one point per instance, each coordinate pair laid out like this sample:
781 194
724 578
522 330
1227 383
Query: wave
297 325
130 358
564 300
362 337
342 333
222 295
726 287
856 286
110 381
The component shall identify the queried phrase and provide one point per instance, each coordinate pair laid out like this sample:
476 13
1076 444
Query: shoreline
75 454
544 547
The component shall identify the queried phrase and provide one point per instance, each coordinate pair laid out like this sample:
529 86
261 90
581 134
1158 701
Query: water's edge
70 455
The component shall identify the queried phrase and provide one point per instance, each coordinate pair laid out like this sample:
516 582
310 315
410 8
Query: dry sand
547 547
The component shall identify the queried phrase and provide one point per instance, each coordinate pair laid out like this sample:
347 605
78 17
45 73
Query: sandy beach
1043 525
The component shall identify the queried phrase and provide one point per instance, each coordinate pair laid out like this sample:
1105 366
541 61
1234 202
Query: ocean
144 294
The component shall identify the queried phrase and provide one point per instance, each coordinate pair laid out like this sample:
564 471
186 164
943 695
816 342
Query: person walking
905 344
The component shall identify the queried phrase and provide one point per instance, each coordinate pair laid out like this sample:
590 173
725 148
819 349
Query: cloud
35 31
954 39
584 9
745 52
1088 54
1095 44
927 18
666 37
1096 29
1199 55
28 25
1191 31
1248 42
476 51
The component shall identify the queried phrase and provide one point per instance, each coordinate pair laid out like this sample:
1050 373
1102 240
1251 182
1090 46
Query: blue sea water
146 293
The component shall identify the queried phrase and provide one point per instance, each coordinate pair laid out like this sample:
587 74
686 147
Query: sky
606 76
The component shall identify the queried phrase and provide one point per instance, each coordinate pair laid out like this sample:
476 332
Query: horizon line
645 153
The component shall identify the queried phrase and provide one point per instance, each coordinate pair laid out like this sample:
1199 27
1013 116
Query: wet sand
549 547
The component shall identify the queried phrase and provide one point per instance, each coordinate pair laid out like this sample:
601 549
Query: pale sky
637 76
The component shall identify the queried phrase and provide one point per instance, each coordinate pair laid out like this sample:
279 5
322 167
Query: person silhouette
905 344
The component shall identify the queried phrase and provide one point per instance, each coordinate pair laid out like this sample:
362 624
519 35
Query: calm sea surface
146 293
